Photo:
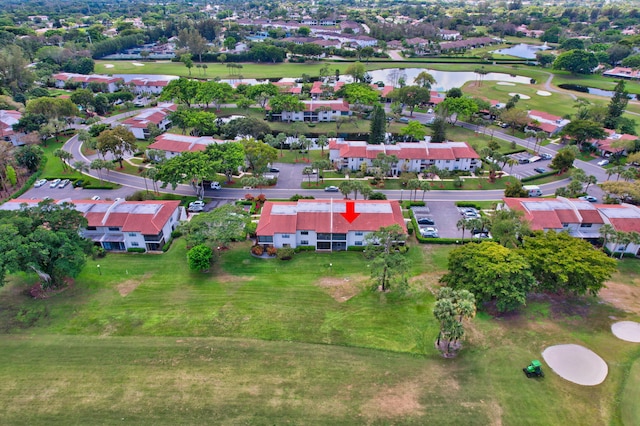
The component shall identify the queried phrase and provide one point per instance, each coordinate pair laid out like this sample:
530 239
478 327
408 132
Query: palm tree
80 167
590 180
413 185
628 174
511 162
424 186
607 232
624 239
462 224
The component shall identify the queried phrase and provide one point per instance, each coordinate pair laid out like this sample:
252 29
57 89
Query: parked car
540 170
331 189
54 183
78 183
603 162
95 197
63 183
429 232
215 185
404 120
425 221
274 170
39 183
482 235
545 156
196 206
589 198
523 160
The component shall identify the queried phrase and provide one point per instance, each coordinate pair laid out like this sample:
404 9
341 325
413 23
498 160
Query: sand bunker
627 330
576 364
137 64
521 95
108 65
505 83
543 93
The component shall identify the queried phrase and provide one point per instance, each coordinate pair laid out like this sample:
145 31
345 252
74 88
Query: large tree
492 273
378 126
181 90
414 131
617 105
565 264
411 96
576 62
582 131
288 103
454 106
230 156
259 155
508 227
388 265
357 71
52 108
118 141
199 258
192 166
564 159
450 309
424 79
45 239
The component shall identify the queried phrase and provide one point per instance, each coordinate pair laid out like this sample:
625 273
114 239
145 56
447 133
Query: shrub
304 248
272 251
176 234
251 228
467 204
539 176
98 252
167 246
136 250
356 248
257 250
285 253
301 197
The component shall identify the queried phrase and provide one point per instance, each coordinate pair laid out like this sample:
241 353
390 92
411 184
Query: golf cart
534 369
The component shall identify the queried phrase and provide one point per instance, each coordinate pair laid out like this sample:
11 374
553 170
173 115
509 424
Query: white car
429 232
603 162
39 183
54 183
95 197
196 206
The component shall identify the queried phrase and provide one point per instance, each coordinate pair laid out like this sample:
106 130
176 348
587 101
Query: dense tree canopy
44 239
564 264
491 272
576 62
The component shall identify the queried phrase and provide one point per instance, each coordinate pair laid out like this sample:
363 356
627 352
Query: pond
525 51
445 80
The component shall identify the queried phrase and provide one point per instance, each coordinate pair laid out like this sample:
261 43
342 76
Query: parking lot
527 169
445 215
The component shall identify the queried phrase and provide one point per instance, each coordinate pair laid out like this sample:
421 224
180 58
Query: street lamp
99 270
401 193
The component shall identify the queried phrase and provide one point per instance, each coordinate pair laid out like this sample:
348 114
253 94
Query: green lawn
305 341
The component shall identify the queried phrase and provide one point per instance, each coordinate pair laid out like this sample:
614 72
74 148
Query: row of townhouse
579 218
138 125
120 225
174 145
412 157
313 111
141 86
325 225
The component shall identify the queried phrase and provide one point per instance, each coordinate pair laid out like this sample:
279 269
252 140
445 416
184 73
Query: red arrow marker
350 214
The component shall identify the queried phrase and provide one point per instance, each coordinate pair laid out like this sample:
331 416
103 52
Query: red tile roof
182 143
325 216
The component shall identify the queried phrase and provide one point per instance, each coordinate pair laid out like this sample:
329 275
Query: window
565 225
359 233
285 236
304 232
134 244
91 228
324 236
132 234
358 243
339 237
585 225
304 242
114 228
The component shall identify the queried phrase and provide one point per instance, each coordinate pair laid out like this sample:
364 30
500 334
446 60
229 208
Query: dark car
540 170
274 170
331 189
78 183
425 221
523 160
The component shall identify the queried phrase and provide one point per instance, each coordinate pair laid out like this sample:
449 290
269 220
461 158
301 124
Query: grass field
264 341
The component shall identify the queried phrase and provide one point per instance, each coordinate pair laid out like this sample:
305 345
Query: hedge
167 245
356 248
304 248
448 241
539 176
136 250
408 203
